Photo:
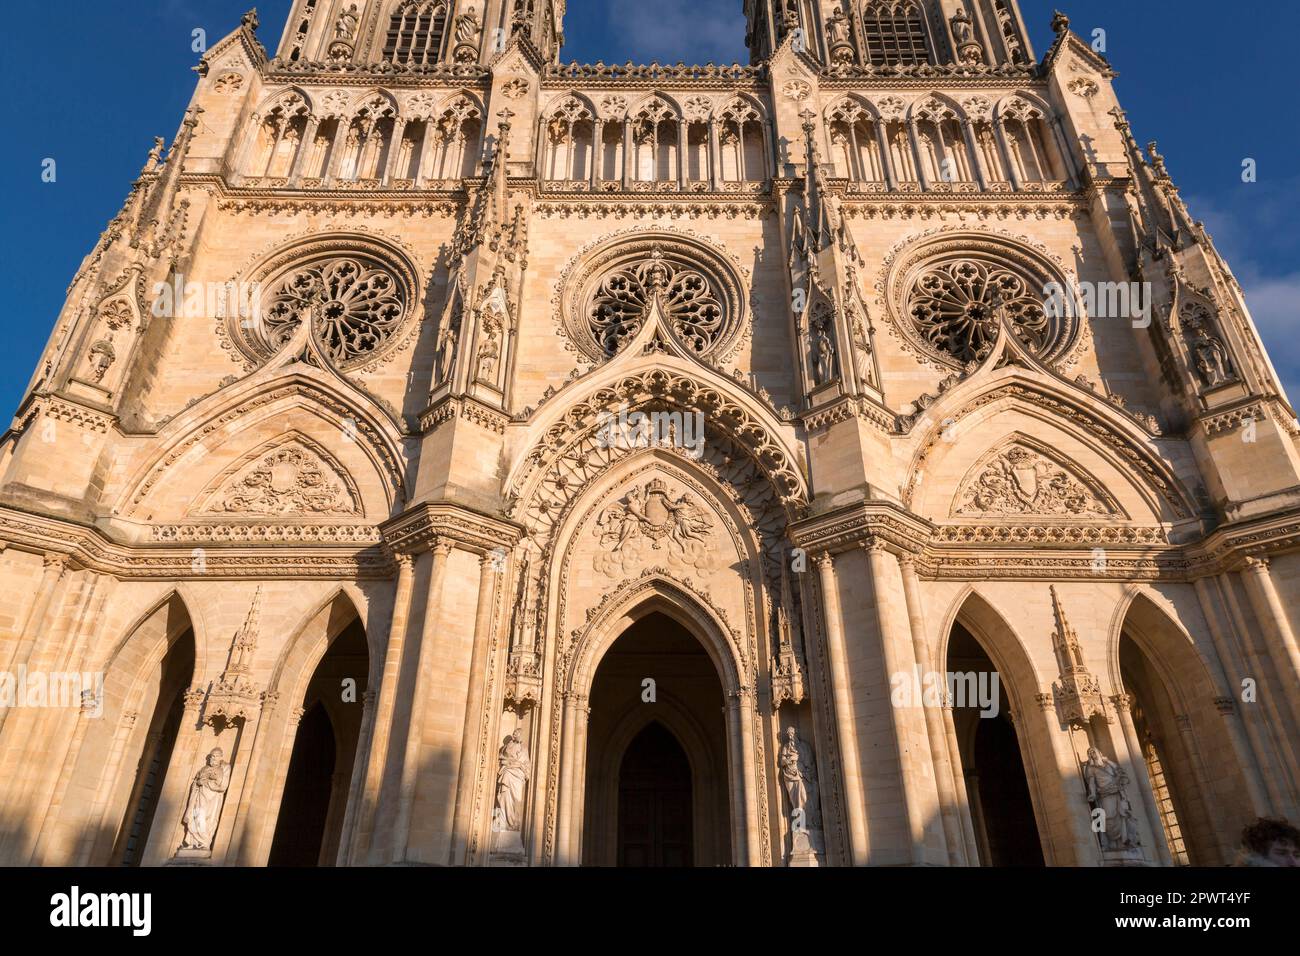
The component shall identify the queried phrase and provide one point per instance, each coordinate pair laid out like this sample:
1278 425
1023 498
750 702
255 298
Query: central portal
657 770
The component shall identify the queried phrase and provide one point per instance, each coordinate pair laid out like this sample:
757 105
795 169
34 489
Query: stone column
597 152
1244 732
1008 156
910 739
357 786
886 160
845 728
427 146
166 830
377 751
387 174
976 159
1279 637
933 716
965 799
474 699
568 796
304 149
914 142
736 786
754 832
410 767
715 156
580 781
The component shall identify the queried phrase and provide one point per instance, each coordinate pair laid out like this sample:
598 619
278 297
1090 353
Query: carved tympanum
650 519
286 481
1020 481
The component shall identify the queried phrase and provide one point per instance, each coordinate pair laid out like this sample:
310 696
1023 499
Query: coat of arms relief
1020 481
651 526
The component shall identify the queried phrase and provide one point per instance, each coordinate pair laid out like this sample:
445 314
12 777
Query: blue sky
90 86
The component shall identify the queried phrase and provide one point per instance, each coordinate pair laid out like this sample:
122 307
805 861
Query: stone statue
467 26
862 353
800 782
447 341
489 351
962 30
102 356
823 351
512 782
1211 358
207 794
837 25
1107 783
346 26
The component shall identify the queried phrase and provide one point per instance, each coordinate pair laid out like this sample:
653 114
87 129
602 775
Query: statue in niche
1211 358
823 349
489 350
512 783
962 30
837 27
346 26
448 339
467 26
862 352
1107 783
207 794
799 780
101 357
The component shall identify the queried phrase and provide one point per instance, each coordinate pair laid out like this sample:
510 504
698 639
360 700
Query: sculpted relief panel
650 525
289 480
1019 480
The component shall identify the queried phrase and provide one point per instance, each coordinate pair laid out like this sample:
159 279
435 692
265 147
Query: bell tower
417 35
891 34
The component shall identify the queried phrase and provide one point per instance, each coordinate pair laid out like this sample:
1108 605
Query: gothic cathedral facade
451 455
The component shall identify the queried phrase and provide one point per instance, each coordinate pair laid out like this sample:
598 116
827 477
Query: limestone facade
331 482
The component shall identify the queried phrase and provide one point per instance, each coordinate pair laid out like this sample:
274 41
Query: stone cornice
420 526
90 548
1029 549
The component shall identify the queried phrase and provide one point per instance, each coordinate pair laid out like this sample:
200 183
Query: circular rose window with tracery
952 298
355 298
608 296
958 308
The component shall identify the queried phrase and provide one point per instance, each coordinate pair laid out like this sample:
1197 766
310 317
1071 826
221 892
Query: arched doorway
654 801
657 790
175 672
312 807
997 787
1195 785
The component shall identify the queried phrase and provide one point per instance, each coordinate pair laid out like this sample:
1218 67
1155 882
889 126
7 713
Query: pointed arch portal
657 757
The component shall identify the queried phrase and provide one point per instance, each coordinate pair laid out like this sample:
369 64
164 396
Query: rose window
957 308
354 305
622 301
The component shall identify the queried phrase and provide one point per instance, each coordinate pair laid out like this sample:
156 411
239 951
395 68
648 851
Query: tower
891 34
